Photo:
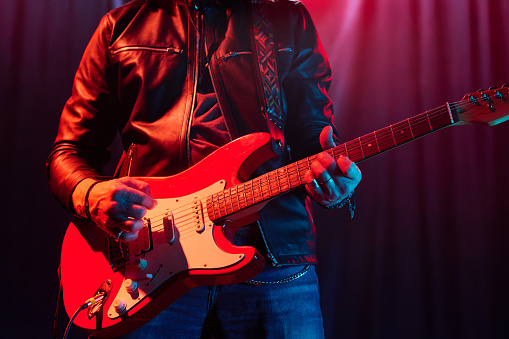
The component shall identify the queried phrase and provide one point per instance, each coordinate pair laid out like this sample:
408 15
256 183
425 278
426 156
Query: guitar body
178 249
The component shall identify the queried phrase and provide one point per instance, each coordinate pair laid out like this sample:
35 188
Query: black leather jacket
138 76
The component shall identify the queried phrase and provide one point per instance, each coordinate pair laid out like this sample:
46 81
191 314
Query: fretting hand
330 181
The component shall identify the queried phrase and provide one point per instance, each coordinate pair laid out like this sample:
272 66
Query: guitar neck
277 182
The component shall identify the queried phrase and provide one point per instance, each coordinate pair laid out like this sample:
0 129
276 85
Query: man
177 80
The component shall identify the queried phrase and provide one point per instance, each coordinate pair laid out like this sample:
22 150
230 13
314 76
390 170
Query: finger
129 210
131 225
320 173
329 164
326 138
140 186
349 168
134 196
127 236
311 183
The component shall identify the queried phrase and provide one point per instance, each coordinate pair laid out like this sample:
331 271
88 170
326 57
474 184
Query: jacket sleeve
305 87
86 126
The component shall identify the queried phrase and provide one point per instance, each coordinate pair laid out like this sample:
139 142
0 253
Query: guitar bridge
119 253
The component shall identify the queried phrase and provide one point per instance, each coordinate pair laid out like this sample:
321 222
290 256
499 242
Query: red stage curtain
426 255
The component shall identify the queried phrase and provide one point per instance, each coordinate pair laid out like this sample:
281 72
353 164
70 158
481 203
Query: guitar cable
92 301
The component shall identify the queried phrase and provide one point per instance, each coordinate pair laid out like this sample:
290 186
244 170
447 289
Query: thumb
326 138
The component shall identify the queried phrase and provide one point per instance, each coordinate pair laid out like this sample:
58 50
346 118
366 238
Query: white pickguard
191 249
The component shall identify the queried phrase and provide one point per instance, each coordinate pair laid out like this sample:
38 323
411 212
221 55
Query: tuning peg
480 90
505 85
473 100
492 87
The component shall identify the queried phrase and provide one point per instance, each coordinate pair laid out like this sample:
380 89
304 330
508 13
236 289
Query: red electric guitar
186 241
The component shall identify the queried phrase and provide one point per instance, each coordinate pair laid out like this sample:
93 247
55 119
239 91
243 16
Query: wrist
79 196
349 201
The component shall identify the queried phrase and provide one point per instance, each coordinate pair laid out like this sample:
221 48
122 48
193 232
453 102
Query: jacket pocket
171 50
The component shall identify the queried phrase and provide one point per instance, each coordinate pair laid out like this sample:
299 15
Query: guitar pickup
199 223
169 227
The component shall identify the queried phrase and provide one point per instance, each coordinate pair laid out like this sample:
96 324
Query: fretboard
277 182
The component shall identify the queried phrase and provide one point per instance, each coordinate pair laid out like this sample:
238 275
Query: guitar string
268 186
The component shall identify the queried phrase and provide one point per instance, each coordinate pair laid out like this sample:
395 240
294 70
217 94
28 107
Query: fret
273 184
256 190
354 150
420 125
440 119
393 137
288 173
247 192
251 191
402 132
232 198
298 175
211 205
368 145
330 151
234 193
410 128
277 183
222 210
260 188
429 122
245 195
267 185
376 140
294 175
362 151
227 201
344 152
303 166
385 139
284 179
240 196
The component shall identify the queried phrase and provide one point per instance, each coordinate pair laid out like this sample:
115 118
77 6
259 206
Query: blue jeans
286 310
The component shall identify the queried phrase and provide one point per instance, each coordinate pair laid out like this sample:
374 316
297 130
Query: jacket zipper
232 54
195 87
130 157
174 50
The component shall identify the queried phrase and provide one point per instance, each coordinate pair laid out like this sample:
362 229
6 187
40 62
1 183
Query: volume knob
130 285
119 305
140 264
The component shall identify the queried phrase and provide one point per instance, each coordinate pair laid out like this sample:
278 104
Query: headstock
489 107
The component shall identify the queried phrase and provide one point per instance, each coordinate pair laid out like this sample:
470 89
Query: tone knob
130 285
140 264
119 305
